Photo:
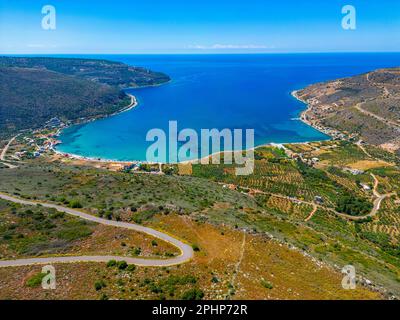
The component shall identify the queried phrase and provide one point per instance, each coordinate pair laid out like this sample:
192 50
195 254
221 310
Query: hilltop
366 106
101 71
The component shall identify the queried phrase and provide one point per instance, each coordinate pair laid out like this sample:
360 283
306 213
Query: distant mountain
33 90
366 105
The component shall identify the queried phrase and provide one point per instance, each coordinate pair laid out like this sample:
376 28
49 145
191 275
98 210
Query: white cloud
229 46
35 45
38 45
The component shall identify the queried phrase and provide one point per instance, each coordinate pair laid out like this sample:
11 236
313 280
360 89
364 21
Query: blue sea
217 91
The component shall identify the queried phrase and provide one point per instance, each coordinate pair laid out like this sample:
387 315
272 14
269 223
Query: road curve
3 153
314 210
377 202
186 250
374 211
376 205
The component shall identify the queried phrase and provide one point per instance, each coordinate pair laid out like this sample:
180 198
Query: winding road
186 250
376 205
385 95
314 210
358 106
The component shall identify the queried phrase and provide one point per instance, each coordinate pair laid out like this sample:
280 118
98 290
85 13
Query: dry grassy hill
367 105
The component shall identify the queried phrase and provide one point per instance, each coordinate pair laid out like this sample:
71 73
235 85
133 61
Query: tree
122 265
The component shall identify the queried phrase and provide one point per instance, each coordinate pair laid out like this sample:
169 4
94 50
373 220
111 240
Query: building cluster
354 172
300 156
54 123
131 167
37 145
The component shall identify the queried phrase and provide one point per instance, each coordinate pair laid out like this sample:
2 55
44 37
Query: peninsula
364 106
34 90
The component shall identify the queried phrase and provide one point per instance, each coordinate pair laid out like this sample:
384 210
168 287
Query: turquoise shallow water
217 91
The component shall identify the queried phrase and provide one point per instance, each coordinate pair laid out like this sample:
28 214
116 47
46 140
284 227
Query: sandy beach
132 105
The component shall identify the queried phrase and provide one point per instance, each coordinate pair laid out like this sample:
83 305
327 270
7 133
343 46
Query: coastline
332 133
303 114
134 104
149 85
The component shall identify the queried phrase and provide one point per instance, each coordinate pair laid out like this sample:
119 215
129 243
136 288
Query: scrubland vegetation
206 199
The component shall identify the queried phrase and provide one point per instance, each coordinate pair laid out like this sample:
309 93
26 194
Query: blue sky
201 26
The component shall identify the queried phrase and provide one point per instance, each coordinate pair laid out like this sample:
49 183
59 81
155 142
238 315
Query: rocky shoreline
304 117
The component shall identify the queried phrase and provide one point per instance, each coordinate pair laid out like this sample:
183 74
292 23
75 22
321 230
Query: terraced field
370 244
291 178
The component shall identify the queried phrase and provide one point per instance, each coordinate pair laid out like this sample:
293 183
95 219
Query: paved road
186 250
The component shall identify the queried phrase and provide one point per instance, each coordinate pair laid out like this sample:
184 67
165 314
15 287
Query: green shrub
180 280
266 284
193 294
122 265
131 267
103 297
36 280
98 285
75 204
111 263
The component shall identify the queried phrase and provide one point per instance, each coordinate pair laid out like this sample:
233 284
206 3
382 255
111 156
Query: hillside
102 71
279 203
30 97
283 232
34 90
234 257
365 105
